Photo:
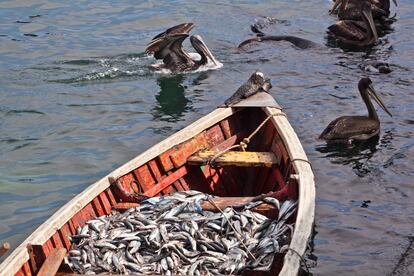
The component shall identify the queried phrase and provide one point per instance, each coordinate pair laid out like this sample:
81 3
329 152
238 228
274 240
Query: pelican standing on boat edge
167 46
347 129
357 33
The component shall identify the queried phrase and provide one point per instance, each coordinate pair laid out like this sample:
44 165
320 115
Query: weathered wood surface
53 262
20 255
222 202
4 248
100 274
306 206
305 215
235 158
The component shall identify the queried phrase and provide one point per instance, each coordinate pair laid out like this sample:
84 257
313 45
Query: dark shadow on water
355 155
310 259
171 101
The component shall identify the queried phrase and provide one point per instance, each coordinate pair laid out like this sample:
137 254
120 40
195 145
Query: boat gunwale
15 261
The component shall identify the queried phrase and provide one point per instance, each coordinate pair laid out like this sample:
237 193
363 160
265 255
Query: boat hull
164 169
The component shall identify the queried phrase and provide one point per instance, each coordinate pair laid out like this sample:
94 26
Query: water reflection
172 103
355 155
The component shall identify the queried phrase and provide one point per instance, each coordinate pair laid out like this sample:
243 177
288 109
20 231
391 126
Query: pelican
167 46
358 33
384 4
352 9
255 84
347 129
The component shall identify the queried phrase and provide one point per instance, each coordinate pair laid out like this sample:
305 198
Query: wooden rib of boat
275 162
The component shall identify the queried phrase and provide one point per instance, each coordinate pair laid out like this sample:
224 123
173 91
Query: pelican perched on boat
347 129
167 46
357 33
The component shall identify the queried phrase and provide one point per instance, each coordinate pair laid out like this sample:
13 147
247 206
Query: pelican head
365 86
366 11
201 48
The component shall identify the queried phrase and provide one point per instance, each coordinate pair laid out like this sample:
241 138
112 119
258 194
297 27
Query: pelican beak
199 44
368 15
376 97
266 86
395 2
335 6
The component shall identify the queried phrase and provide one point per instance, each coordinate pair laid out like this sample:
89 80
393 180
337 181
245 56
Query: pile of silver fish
173 235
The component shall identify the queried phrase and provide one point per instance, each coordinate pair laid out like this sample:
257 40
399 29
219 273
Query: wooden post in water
3 248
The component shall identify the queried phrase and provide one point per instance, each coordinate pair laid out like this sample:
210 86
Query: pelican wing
178 58
346 127
170 50
160 43
349 30
183 28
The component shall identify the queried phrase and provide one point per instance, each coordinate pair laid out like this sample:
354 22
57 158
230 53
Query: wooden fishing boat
274 161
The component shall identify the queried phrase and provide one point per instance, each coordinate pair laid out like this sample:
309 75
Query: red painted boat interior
169 173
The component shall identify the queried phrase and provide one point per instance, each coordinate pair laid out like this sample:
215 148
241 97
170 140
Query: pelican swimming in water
357 33
167 46
384 4
347 129
352 10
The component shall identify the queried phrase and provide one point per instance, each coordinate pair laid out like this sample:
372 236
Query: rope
297 159
231 225
245 142
301 258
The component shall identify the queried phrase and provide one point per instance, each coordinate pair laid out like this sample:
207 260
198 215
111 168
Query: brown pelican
384 4
256 83
167 46
347 129
358 33
352 9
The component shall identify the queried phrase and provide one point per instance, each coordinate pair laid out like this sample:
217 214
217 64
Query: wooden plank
157 188
225 128
56 240
165 160
37 256
125 183
214 135
97 206
186 149
103 198
224 202
52 262
19 256
306 206
26 269
215 181
154 168
235 158
122 206
184 184
144 178
20 272
4 248
106 274
65 234
110 195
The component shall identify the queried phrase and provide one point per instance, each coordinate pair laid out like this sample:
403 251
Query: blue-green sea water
77 100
